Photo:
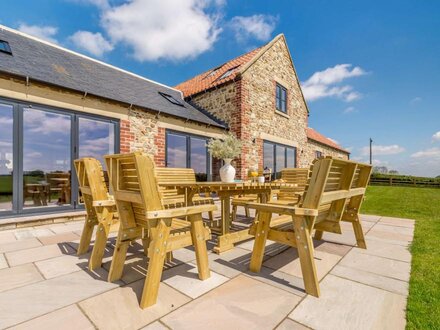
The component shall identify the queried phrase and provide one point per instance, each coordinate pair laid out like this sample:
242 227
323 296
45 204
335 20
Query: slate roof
210 79
318 137
47 63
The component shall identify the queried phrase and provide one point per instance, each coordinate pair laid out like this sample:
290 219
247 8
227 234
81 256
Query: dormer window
213 72
171 99
281 98
227 73
5 48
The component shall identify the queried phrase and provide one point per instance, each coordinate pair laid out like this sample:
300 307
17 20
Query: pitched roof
213 77
41 61
318 137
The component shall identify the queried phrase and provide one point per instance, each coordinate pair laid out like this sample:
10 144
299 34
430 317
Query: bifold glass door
37 148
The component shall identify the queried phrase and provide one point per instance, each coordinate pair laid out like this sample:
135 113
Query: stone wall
309 153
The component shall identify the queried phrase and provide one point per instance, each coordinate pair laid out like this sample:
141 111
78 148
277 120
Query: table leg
223 243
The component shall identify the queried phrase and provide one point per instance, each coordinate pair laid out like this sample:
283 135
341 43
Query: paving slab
119 308
61 265
230 263
70 227
29 233
19 245
38 253
25 303
378 265
155 326
14 277
7 237
386 250
370 218
241 303
58 238
394 229
288 262
372 279
332 248
185 279
3 262
67 318
408 223
345 304
289 324
389 237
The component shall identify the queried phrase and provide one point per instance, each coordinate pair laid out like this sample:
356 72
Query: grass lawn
423 205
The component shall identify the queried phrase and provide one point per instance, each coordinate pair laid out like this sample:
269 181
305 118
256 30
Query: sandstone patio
44 285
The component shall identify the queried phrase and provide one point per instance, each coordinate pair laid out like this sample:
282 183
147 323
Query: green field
423 205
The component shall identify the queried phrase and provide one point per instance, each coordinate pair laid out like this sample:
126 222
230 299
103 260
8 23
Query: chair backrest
335 184
133 179
173 175
57 180
91 182
298 176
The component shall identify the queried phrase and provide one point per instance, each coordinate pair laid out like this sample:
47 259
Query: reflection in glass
268 152
291 157
46 158
199 159
280 161
96 138
6 124
176 150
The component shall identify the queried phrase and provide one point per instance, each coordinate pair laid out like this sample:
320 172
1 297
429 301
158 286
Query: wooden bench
100 208
297 176
143 215
335 192
170 197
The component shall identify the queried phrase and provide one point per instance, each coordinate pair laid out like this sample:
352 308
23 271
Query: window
171 99
227 73
188 151
278 156
4 47
318 154
281 98
213 72
38 145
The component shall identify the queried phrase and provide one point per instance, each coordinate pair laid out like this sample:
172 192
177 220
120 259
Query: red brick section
126 136
206 81
159 142
314 135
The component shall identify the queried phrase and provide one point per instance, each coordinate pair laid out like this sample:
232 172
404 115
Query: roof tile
318 137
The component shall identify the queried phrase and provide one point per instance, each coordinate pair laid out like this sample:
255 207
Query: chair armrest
106 202
181 211
282 209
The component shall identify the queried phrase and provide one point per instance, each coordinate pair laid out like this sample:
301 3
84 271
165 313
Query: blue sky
369 68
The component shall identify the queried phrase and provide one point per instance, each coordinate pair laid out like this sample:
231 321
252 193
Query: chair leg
159 235
86 236
199 242
119 255
261 232
359 233
305 251
246 212
211 217
318 235
99 246
234 212
146 241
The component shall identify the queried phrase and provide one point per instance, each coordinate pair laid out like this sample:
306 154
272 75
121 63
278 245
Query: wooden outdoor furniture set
334 192
162 207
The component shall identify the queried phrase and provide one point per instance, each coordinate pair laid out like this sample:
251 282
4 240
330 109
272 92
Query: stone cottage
259 96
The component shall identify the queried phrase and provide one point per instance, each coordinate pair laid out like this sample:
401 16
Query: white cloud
415 100
432 153
43 32
93 43
162 29
326 83
436 136
383 150
257 26
349 110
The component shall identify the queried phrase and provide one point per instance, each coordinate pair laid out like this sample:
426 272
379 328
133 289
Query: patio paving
44 285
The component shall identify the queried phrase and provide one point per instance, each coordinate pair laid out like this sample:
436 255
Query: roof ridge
320 137
3 27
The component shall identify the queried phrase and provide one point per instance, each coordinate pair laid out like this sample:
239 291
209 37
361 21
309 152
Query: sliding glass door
37 147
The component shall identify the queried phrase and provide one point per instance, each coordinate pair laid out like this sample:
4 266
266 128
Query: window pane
198 158
280 161
291 157
46 158
6 124
176 150
96 138
268 156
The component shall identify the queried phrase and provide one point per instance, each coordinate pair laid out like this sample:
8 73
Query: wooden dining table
225 191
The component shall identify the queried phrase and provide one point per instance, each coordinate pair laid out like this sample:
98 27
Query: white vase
227 171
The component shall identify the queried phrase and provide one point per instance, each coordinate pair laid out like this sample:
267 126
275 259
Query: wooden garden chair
292 195
143 215
334 193
100 208
170 197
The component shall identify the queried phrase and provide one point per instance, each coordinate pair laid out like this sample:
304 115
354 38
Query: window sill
282 114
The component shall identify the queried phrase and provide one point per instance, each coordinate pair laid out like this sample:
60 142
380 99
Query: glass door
6 157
